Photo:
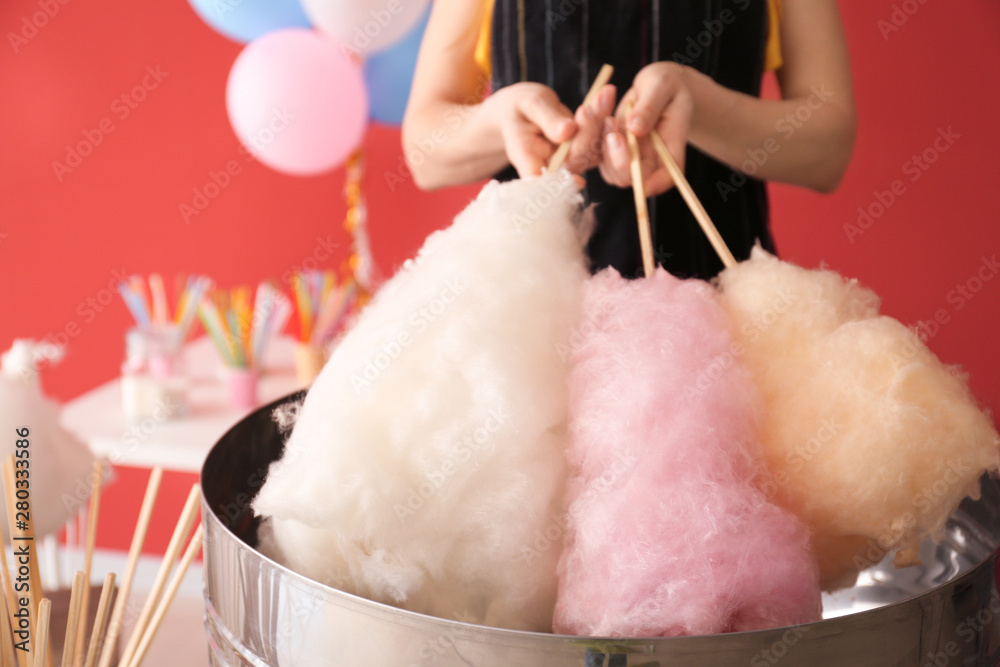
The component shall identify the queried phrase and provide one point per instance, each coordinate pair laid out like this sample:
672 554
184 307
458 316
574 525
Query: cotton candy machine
260 614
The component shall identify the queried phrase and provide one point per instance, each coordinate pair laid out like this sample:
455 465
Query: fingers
532 123
675 126
654 91
657 179
527 150
544 110
586 149
615 165
659 100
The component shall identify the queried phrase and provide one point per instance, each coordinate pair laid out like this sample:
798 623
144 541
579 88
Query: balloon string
360 264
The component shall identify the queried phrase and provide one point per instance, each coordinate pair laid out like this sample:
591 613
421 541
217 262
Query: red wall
61 241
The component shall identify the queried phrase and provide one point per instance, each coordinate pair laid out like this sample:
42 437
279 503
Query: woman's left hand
659 100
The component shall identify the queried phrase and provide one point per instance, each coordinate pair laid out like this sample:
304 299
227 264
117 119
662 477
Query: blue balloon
389 75
245 20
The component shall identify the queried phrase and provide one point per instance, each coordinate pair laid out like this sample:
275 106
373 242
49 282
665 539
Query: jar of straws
241 333
323 307
153 376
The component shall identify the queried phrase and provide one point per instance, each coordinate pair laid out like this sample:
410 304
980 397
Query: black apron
563 43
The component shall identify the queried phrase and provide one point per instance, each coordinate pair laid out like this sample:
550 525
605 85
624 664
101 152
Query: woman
692 69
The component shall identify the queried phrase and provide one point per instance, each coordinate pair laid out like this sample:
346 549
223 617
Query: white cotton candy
60 464
426 467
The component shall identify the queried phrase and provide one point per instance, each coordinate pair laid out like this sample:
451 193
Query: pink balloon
297 102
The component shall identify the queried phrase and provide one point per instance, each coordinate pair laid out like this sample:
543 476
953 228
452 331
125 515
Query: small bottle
136 382
153 381
166 367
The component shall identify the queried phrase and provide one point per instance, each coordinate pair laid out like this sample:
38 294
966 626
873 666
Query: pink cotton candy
668 534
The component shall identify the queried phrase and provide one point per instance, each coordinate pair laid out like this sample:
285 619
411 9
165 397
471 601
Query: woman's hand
533 122
448 140
659 100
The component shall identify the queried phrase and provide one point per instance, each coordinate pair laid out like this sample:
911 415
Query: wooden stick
42 632
96 481
73 539
22 656
22 536
181 531
101 620
167 598
8 587
642 213
7 653
73 619
691 198
603 76
48 552
138 538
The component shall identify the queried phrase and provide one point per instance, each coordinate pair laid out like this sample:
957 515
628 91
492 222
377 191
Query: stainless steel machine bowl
945 613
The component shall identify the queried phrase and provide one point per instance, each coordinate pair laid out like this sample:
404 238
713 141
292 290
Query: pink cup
242 388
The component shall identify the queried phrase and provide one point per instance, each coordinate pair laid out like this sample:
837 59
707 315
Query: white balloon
365 26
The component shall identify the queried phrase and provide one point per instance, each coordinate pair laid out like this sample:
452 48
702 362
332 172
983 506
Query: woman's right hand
663 103
533 122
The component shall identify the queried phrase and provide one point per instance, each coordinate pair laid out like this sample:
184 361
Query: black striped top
563 43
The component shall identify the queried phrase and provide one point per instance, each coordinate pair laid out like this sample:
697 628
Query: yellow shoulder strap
772 53
483 45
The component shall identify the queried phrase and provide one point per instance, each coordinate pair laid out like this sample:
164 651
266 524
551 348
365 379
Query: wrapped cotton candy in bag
869 438
668 532
60 463
429 453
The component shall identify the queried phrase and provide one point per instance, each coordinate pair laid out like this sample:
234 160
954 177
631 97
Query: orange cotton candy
869 438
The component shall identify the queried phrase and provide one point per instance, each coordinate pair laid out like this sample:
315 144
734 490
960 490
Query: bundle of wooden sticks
25 612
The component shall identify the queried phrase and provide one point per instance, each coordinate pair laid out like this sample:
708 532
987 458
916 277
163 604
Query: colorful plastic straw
323 306
241 331
151 308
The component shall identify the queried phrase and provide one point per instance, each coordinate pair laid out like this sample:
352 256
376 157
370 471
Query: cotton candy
668 532
869 438
427 461
60 463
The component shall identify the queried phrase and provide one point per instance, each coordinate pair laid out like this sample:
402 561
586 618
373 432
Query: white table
176 445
